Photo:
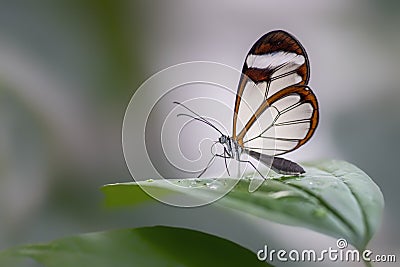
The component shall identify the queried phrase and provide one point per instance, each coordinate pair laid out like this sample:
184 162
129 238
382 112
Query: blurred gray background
69 68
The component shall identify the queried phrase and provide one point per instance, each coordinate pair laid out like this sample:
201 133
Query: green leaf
333 197
149 246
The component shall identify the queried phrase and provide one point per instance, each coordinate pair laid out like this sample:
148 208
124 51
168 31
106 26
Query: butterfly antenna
199 118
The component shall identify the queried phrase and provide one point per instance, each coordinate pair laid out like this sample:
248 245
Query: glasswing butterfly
278 65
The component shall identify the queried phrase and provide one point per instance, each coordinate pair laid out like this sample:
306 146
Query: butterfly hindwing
293 120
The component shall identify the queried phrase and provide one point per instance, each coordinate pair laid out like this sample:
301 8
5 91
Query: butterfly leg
226 164
207 166
251 163
225 156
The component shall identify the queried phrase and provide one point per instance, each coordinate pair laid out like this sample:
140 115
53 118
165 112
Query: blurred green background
69 68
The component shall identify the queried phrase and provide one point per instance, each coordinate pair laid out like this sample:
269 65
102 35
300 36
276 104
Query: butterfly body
233 150
231 147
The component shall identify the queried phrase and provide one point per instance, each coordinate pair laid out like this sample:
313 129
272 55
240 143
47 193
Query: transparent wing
276 61
292 121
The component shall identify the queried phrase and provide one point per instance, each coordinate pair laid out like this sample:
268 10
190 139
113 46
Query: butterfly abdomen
279 165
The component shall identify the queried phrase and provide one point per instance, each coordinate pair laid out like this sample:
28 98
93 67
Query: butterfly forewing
276 72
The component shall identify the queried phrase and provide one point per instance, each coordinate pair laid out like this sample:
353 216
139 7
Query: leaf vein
364 215
325 204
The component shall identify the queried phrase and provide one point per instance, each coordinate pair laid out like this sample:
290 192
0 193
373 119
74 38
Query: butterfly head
223 139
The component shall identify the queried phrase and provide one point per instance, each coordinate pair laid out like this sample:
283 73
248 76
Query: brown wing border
306 96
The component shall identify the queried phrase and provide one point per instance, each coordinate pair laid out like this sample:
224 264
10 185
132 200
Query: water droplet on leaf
281 194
